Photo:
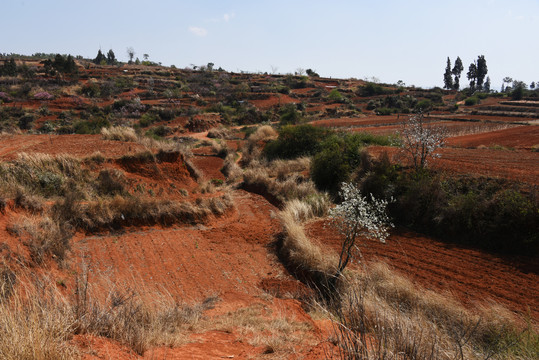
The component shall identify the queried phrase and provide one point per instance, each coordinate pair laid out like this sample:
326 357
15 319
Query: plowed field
470 275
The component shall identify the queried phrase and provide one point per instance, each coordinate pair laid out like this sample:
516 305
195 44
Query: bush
290 115
383 111
491 214
25 121
296 141
473 100
338 158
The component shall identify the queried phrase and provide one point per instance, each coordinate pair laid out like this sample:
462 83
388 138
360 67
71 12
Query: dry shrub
44 237
32 203
299 253
120 211
220 132
383 315
119 133
221 148
231 169
252 149
263 133
111 181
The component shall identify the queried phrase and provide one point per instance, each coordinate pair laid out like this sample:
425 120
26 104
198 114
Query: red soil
518 137
279 99
75 145
470 275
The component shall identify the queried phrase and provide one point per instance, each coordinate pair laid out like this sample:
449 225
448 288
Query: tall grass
38 321
120 133
382 315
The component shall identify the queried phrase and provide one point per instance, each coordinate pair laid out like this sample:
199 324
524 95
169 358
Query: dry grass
119 133
383 315
220 132
121 211
38 321
231 169
300 252
263 133
38 326
259 325
289 186
44 237
41 174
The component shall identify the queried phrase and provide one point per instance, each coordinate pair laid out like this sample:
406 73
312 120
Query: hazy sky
392 40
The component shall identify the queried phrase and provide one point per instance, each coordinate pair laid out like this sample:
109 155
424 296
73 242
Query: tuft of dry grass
263 133
119 133
298 251
37 326
220 132
44 237
37 321
383 315
232 171
120 211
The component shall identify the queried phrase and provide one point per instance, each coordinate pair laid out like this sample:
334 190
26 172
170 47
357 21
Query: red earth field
231 258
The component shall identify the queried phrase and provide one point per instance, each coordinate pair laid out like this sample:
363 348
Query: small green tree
448 80
472 75
482 70
457 70
111 58
99 58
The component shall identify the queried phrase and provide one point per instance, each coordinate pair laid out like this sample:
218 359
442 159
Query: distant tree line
477 72
101 59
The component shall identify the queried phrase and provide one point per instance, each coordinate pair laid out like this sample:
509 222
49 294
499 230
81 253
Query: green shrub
424 105
296 141
90 126
290 115
383 111
495 215
473 100
340 155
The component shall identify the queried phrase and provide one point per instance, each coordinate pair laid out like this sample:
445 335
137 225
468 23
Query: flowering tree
420 141
357 217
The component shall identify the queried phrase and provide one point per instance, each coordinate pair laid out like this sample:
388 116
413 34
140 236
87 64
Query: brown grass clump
263 133
283 180
37 321
382 315
44 237
220 132
307 259
120 211
41 174
232 171
119 133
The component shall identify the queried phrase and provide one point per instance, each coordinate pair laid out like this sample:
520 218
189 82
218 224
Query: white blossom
357 217
420 141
